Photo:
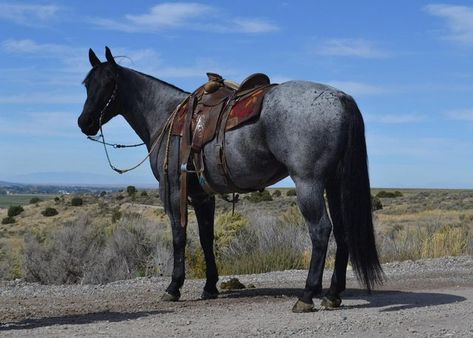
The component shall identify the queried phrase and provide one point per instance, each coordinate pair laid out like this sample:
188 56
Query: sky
408 64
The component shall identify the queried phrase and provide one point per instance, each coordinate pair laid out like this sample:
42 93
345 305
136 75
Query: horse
311 132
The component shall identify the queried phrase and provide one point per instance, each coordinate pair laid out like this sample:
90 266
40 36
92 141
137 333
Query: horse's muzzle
87 125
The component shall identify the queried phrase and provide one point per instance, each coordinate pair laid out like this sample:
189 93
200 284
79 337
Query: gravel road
428 298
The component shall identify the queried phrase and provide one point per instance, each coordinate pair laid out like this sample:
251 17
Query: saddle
214 108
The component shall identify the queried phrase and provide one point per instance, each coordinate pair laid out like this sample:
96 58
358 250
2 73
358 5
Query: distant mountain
82 179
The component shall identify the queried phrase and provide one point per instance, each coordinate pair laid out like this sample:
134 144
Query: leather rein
101 138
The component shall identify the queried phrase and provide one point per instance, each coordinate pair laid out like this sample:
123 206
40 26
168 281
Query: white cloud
190 15
461 115
458 19
27 46
28 15
253 25
357 88
42 98
350 47
169 15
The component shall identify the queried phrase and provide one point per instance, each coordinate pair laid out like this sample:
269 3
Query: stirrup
185 169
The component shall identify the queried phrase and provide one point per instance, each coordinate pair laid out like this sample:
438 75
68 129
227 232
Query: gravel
432 298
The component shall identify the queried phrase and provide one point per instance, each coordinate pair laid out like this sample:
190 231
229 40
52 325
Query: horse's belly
249 163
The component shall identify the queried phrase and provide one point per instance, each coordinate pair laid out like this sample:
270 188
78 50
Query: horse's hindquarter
300 130
310 123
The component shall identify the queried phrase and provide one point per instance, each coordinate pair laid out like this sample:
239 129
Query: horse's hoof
209 295
301 307
167 297
331 302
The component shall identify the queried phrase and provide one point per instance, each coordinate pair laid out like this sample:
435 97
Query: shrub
265 245
277 193
389 194
48 212
61 258
291 192
82 253
120 197
259 196
292 216
144 193
35 200
8 220
376 203
103 193
131 190
227 227
15 210
116 214
77 201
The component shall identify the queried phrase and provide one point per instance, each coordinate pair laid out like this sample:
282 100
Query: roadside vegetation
104 237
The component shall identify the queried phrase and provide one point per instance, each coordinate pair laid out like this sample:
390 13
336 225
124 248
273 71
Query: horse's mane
158 80
143 74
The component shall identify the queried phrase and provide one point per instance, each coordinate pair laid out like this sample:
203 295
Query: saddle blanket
244 109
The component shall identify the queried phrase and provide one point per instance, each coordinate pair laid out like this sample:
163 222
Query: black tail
356 201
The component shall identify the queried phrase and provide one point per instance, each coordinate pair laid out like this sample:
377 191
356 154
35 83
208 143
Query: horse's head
102 100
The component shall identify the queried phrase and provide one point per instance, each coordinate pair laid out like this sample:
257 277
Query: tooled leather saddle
211 110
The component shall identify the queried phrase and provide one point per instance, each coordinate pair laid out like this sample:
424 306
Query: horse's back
301 131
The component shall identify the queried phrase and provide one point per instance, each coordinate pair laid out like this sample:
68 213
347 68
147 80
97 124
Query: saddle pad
244 109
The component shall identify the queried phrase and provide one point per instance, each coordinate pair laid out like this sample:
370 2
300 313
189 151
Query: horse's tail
356 200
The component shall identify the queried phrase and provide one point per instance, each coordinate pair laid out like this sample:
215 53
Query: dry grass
82 244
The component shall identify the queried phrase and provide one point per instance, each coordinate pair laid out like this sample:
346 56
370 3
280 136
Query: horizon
407 64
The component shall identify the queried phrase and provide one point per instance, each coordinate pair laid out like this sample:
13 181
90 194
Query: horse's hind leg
332 298
311 202
205 211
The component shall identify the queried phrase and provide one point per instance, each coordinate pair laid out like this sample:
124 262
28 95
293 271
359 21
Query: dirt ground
428 298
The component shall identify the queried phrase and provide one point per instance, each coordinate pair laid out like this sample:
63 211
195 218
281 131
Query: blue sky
409 65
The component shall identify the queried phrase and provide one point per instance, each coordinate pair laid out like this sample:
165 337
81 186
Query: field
119 235
20 199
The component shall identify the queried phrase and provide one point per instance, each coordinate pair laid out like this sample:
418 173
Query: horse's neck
147 103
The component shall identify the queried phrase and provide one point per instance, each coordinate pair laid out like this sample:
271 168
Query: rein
101 137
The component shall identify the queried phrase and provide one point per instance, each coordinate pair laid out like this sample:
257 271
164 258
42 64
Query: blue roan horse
311 132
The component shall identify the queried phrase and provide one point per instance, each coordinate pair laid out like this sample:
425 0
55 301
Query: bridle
101 138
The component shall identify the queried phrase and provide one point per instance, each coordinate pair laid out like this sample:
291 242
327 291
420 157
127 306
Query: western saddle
215 107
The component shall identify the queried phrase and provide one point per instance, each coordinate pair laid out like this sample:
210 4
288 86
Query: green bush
277 193
389 194
77 201
291 192
120 197
15 210
259 196
8 220
103 193
144 193
131 190
376 203
48 212
35 200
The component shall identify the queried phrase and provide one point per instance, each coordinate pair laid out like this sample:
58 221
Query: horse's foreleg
205 212
179 244
311 202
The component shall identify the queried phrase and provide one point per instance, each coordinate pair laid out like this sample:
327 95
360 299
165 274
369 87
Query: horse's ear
109 56
94 60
